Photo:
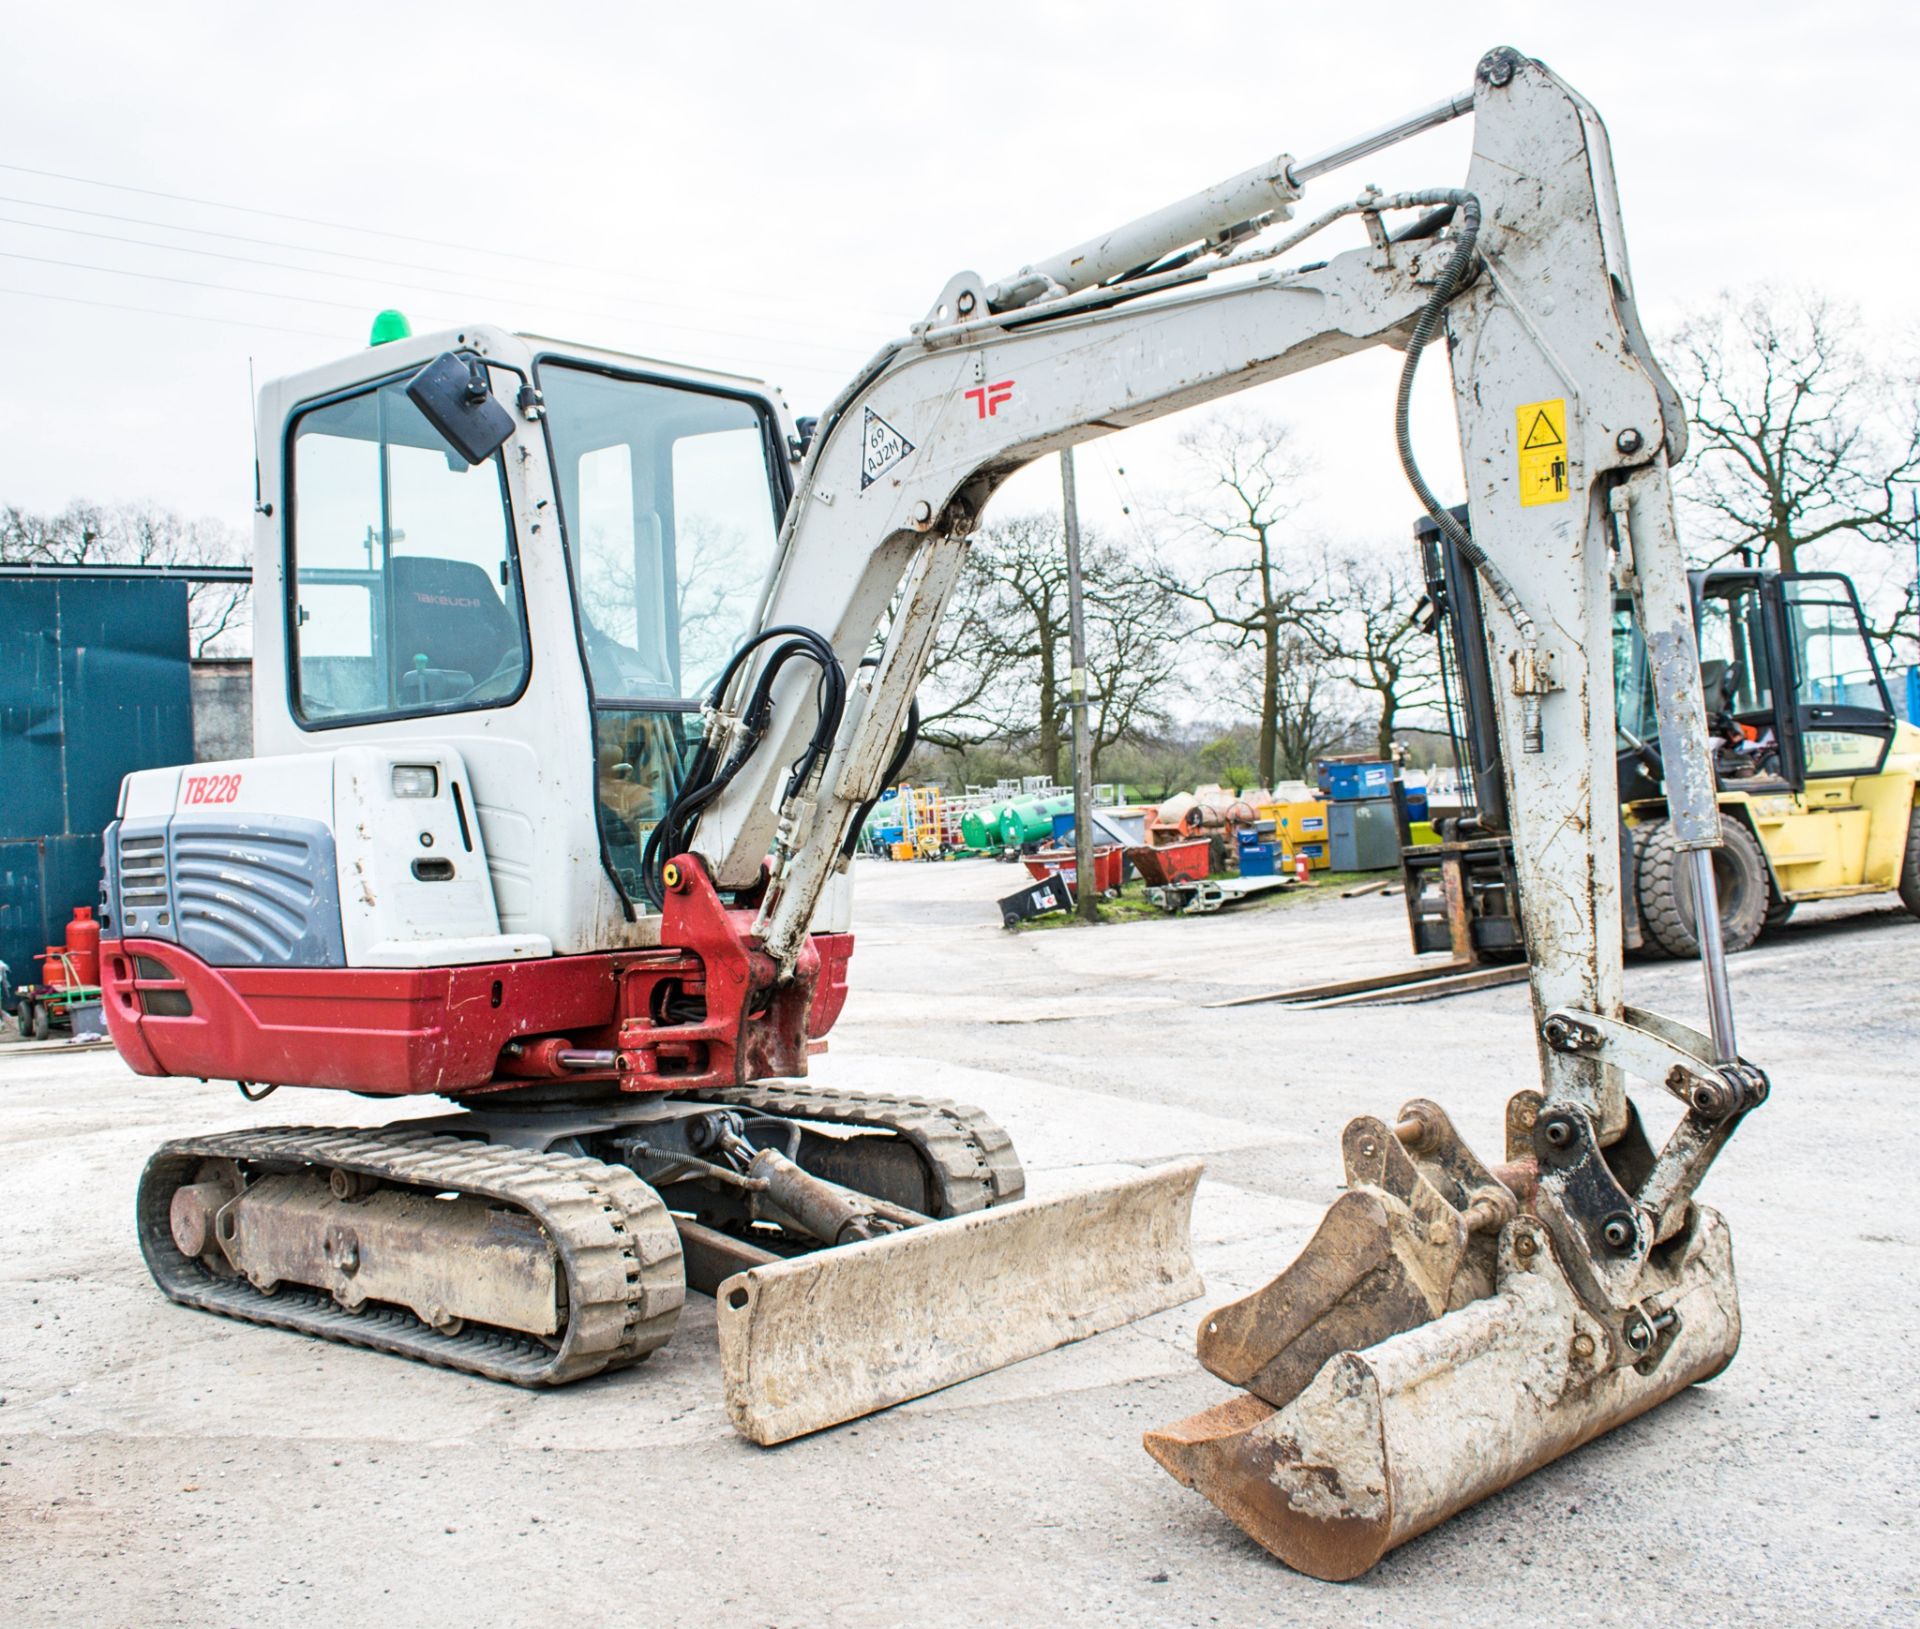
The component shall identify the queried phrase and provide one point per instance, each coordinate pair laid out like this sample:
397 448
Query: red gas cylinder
1300 871
83 945
53 967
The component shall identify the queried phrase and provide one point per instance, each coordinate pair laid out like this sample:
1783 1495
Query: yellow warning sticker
1542 442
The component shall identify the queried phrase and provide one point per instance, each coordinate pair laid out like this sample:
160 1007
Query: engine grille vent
258 893
145 898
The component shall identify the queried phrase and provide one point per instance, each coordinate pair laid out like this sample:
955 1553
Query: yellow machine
1816 772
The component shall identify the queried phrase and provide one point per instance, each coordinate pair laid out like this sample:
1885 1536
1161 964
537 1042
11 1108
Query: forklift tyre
1648 948
1666 895
1910 871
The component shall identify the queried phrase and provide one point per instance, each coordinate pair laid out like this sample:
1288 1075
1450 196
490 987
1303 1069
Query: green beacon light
389 326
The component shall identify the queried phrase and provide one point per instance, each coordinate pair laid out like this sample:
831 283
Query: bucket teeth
1239 1455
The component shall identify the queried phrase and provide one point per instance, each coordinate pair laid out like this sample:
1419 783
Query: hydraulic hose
707 777
1424 328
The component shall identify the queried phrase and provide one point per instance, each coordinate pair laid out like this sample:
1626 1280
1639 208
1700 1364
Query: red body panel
707 1012
386 1030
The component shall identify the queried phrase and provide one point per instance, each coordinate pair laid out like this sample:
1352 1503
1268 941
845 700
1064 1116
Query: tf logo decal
988 399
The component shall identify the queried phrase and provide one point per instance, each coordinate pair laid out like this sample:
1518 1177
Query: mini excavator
587 667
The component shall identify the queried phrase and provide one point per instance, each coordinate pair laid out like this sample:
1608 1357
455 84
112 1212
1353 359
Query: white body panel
390 916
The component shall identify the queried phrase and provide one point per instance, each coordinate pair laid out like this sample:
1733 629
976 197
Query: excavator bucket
812 1341
1427 1349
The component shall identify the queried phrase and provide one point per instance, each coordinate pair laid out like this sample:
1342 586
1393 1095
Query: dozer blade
823 1338
1384 1443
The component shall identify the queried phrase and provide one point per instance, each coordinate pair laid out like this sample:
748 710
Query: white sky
775 189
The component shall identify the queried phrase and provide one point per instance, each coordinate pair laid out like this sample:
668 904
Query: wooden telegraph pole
1086 894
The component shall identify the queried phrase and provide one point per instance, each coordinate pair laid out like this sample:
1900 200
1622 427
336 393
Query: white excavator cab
554 611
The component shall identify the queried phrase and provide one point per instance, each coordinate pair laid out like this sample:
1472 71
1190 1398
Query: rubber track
614 1237
970 1159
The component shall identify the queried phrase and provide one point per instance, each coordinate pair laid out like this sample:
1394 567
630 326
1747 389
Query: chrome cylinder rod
1264 192
1713 955
1374 141
1256 194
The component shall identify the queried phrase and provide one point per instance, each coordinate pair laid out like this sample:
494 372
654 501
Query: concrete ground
160 1466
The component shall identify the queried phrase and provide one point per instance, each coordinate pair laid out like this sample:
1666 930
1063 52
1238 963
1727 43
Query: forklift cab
1793 692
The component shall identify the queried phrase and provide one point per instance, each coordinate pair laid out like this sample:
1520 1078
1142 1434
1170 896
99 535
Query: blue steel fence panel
94 683
32 778
126 689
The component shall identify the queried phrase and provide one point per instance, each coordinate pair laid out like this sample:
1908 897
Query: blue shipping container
94 683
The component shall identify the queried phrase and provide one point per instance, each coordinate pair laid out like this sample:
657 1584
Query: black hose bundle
707 776
1425 327
1467 207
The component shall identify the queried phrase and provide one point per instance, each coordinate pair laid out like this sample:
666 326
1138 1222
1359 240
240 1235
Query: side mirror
456 398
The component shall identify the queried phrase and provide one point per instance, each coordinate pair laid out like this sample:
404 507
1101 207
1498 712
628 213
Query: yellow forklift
1816 773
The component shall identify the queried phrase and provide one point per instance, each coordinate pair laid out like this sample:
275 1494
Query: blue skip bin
1345 782
1256 859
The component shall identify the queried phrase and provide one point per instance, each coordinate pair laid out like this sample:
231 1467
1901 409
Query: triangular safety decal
881 447
1541 433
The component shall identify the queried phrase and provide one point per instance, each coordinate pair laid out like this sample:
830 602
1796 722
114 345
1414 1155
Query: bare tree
1133 647
1798 439
1312 707
1229 558
1001 670
1156 763
140 534
1371 630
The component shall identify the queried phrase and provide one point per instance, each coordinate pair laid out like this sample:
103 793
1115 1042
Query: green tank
1032 821
980 828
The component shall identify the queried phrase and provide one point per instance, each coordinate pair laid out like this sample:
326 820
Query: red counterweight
705 1009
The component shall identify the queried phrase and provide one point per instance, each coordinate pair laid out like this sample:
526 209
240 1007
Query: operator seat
450 613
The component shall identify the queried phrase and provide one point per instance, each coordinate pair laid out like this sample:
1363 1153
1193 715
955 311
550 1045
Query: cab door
1737 620
1842 713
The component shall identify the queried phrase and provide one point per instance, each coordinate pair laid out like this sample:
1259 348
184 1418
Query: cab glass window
1846 718
1833 663
1632 678
403 581
672 515
672 512
1734 671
